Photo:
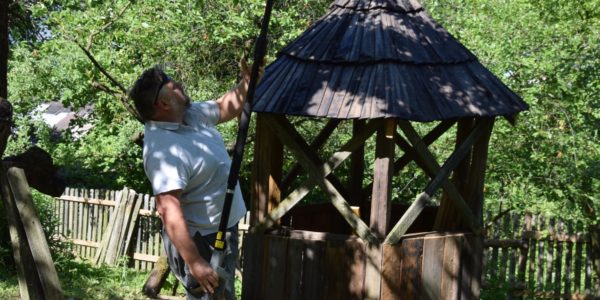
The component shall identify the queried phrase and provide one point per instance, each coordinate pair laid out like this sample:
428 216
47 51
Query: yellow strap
219 245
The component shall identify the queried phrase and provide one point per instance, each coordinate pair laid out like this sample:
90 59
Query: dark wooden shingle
373 59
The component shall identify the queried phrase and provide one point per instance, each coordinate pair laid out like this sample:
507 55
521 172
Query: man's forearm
169 209
232 103
174 223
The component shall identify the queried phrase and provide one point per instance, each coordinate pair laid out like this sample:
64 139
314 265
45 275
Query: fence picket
84 224
550 254
504 257
70 216
568 262
578 260
532 253
559 244
512 266
541 257
523 251
146 237
588 270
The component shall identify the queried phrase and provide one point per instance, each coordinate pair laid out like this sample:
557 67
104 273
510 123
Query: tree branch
104 88
123 95
90 40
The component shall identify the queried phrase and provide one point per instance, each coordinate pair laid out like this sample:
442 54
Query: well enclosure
309 265
365 247
382 65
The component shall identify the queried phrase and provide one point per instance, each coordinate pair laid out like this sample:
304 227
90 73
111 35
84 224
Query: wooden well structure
382 65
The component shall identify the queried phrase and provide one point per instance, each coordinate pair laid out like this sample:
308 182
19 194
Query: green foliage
198 42
548 52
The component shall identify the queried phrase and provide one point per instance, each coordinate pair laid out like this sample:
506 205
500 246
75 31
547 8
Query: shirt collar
163 125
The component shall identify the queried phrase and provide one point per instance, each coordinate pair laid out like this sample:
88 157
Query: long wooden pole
238 154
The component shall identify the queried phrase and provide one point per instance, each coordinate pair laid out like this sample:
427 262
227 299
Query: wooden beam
87 200
33 240
428 163
440 178
357 168
266 171
407 157
382 179
314 145
308 159
147 257
333 162
29 282
446 215
476 180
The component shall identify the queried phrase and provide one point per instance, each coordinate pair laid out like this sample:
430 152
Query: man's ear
162 103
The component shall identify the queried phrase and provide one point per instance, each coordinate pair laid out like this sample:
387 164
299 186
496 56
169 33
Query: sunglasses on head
164 79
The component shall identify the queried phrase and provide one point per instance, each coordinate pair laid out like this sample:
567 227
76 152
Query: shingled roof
381 58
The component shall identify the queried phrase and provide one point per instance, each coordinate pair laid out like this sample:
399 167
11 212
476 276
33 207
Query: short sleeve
165 169
206 112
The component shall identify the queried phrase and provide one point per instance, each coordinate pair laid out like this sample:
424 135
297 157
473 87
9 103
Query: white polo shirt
193 158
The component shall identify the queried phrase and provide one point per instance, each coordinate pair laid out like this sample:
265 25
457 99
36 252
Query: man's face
176 92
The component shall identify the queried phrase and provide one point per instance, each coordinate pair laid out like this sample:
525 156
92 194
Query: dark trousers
205 247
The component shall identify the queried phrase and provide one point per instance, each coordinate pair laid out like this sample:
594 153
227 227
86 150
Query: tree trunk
3 48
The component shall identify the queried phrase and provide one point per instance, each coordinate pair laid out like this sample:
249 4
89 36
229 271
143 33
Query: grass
82 280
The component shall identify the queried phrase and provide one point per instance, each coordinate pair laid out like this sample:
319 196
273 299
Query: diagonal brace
430 166
292 139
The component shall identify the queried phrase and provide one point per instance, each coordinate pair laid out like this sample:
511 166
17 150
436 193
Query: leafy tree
200 42
548 51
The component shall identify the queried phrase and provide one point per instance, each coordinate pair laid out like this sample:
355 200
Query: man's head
154 91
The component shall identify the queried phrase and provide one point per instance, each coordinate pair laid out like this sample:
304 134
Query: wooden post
380 205
382 179
468 177
446 216
37 274
357 168
157 278
266 172
476 179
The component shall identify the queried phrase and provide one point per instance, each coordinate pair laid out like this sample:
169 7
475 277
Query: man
187 164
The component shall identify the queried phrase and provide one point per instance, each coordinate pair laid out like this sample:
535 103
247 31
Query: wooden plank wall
313 265
537 256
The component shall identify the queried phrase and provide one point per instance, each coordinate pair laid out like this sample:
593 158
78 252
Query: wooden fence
87 218
530 256
538 257
85 215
